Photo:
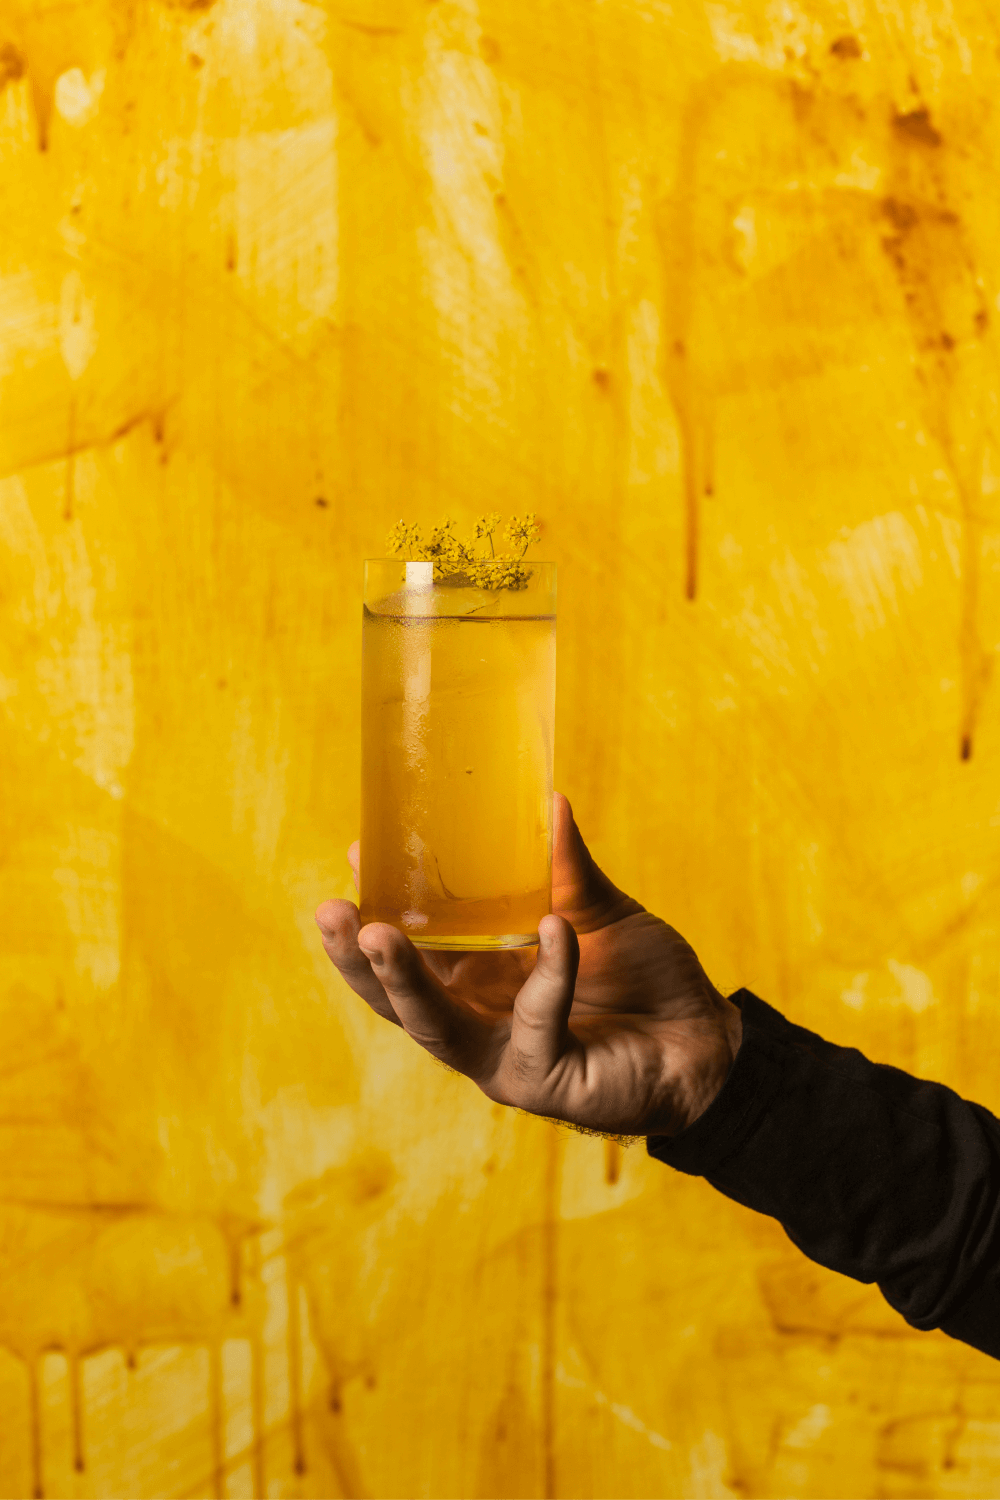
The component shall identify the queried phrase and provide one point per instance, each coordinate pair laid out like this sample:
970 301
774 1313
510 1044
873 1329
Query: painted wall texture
712 287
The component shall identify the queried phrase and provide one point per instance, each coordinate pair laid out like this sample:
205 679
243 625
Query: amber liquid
456 819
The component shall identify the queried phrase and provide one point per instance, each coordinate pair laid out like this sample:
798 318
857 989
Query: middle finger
339 923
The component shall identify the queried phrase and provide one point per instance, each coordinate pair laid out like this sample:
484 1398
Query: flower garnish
463 564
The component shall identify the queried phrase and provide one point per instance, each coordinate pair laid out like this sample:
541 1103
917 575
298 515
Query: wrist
707 1065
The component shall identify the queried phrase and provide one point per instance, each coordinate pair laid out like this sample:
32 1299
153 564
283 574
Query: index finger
339 923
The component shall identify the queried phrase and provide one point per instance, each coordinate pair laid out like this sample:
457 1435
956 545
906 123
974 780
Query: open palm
614 1026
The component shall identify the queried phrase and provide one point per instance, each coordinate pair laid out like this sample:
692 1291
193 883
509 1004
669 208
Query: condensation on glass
458 687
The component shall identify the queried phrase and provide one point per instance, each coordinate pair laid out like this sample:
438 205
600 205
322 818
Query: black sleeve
873 1173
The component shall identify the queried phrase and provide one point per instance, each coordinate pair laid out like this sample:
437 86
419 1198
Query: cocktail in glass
458 688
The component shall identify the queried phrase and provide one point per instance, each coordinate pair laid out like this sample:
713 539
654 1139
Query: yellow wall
710 286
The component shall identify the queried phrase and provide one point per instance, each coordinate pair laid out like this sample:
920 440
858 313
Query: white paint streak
856 994
709 1465
87 880
915 989
83 677
873 565
903 985
284 222
623 1414
77 325
479 300
653 443
29 321
733 44
807 1430
78 98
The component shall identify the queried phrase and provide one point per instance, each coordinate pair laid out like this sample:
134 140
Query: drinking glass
458 690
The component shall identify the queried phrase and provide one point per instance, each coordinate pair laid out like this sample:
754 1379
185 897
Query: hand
614 1027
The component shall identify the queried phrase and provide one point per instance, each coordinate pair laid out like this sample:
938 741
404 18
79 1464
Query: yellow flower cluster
521 531
458 563
486 525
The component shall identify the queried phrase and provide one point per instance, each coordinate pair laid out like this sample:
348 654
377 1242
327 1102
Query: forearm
878 1175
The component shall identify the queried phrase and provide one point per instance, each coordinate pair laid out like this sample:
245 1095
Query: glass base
474 943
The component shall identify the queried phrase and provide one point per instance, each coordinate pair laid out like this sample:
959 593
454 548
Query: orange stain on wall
713 288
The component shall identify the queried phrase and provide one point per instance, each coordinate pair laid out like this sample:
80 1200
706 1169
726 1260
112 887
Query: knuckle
534 1019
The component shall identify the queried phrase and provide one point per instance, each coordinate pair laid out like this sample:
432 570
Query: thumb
580 890
539 1027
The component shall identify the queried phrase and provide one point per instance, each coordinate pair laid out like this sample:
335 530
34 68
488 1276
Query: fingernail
374 956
